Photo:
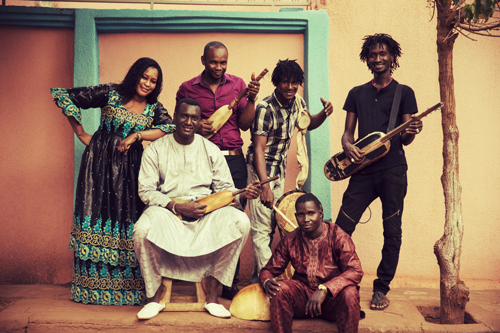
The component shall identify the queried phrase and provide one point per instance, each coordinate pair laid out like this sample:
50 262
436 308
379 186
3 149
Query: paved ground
44 308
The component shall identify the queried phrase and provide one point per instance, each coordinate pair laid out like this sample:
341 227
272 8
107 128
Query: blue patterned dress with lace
105 268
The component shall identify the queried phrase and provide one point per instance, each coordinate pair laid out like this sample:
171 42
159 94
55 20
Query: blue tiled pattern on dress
115 248
98 287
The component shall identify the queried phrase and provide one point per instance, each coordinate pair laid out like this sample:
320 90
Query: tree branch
487 34
458 5
467 36
479 27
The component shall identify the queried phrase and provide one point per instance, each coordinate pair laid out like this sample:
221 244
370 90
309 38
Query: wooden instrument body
373 147
222 114
251 303
340 167
304 121
217 200
213 201
219 118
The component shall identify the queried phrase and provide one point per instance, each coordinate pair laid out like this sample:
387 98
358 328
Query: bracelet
173 208
139 136
264 284
251 99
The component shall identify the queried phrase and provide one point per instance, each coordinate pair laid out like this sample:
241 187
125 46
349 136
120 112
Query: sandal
379 301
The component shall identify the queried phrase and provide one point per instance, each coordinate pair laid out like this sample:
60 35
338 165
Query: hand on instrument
191 209
267 196
415 127
253 190
313 306
125 144
353 153
253 87
327 107
206 127
272 286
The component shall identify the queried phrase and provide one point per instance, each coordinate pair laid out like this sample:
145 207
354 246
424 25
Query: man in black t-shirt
369 106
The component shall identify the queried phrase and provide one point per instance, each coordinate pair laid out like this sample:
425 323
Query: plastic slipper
379 301
217 310
150 310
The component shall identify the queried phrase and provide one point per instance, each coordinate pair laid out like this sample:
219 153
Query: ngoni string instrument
221 116
373 147
218 200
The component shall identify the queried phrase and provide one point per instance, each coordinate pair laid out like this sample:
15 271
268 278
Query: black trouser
390 186
238 168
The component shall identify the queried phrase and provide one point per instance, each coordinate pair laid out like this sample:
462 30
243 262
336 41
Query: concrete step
48 308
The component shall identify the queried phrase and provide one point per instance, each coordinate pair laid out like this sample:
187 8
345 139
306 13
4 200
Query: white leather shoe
217 310
150 310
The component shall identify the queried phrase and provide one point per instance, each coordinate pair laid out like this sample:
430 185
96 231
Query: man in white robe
205 248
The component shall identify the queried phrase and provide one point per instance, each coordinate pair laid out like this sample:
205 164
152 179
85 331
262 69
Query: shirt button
376 99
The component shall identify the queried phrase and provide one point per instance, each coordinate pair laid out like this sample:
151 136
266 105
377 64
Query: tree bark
454 293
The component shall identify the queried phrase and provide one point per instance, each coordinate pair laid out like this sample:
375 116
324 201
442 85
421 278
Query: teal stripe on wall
88 23
37 17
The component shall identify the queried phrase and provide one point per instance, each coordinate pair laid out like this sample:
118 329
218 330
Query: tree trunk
454 293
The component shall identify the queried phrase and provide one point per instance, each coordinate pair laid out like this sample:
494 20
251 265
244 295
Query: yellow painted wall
478 104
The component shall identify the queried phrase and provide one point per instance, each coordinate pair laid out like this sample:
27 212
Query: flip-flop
217 310
150 310
378 299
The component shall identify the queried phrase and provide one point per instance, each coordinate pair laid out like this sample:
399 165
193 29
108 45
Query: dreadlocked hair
378 39
127 88
287 69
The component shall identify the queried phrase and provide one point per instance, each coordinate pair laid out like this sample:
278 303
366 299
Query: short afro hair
188 101
214 44
308 197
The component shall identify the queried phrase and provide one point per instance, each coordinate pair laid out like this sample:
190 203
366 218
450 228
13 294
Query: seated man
199 247
327 271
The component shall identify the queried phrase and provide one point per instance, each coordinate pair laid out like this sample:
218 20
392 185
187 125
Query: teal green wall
89 23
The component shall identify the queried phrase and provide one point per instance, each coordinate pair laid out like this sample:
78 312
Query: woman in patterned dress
105 268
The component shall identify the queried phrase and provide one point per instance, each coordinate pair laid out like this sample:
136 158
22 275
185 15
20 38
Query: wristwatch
323 287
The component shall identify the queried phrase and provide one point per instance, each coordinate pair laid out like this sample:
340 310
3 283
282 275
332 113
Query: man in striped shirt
272 128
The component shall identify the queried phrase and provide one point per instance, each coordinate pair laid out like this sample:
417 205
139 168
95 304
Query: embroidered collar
320 238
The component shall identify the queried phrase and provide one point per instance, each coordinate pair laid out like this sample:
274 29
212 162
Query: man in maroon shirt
214 88
327 271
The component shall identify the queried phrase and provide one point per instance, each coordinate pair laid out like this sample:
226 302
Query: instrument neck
262 183
396 131
244 91
405 125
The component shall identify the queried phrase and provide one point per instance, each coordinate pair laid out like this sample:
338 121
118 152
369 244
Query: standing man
175 171
370 106
214 88
327 272
272 129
